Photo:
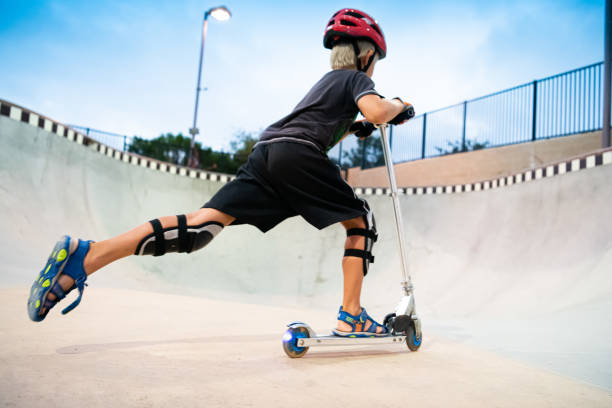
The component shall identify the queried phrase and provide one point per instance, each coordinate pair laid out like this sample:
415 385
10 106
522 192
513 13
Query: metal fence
560 105
114 140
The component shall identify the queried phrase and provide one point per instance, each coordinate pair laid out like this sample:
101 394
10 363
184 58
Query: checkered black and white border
26 116
603 157
600 158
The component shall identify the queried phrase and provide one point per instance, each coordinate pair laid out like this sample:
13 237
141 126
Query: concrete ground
513 285
131 348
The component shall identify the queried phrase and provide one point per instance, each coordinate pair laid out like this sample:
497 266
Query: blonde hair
343 55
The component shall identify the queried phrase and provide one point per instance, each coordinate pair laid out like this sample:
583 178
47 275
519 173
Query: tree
457 146
175 149
169 148
368 153
242 145
216 161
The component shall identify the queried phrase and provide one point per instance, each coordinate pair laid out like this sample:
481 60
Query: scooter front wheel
412 340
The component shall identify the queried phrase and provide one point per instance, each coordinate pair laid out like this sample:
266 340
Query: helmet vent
348 23
353 14
376 29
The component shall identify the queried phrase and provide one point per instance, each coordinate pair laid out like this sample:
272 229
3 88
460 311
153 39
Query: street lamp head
220 13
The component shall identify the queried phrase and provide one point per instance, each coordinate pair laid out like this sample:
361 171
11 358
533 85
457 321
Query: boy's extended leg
352 268
103 253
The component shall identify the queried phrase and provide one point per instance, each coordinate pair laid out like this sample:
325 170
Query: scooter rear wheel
290 340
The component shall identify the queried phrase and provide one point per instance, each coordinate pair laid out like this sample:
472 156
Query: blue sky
130 66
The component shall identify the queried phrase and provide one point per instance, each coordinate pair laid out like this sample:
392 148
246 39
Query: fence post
605 133
363 153
424 134
463 146
534 111
124 142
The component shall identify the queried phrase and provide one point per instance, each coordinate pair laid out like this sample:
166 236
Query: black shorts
285 179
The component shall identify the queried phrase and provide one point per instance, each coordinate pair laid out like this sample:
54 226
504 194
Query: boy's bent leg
105 252
352 268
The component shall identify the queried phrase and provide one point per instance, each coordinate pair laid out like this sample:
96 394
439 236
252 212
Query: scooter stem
406 282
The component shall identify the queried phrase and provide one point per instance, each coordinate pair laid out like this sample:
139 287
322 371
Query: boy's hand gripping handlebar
406 114
362 128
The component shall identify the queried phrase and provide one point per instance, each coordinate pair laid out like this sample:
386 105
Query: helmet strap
358 60
367 66
357 52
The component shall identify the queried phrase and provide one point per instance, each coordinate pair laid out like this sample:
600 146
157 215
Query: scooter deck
331 340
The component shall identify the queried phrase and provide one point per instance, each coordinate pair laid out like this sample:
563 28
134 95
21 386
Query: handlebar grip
406 114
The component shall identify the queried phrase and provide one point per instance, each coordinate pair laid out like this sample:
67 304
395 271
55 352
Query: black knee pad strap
182 238
363 232
158 231
370 235
360 253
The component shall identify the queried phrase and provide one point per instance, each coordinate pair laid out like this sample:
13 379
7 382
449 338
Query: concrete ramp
514 284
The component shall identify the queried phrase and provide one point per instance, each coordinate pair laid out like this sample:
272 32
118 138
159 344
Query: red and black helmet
351 24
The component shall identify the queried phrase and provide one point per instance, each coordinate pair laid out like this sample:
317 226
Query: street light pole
220 13
193 131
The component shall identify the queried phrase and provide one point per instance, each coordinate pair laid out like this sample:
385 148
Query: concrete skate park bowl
513 282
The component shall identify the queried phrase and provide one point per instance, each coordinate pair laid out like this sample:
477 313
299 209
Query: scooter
404 325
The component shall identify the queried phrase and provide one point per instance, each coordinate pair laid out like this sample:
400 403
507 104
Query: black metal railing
561 105
114 140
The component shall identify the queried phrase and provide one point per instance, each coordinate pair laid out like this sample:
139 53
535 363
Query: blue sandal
360 320
66 258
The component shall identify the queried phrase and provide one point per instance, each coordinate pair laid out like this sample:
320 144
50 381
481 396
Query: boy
288 173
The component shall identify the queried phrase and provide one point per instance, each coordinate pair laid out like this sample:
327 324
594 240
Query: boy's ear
367 57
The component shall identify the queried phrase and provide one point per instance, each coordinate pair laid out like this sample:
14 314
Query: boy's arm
379 110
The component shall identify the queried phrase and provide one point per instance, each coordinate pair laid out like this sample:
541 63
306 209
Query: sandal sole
48 276
358 334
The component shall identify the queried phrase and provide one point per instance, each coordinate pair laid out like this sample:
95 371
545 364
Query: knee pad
182 238
371 236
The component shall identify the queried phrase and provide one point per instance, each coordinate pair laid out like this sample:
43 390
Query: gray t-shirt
324 115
